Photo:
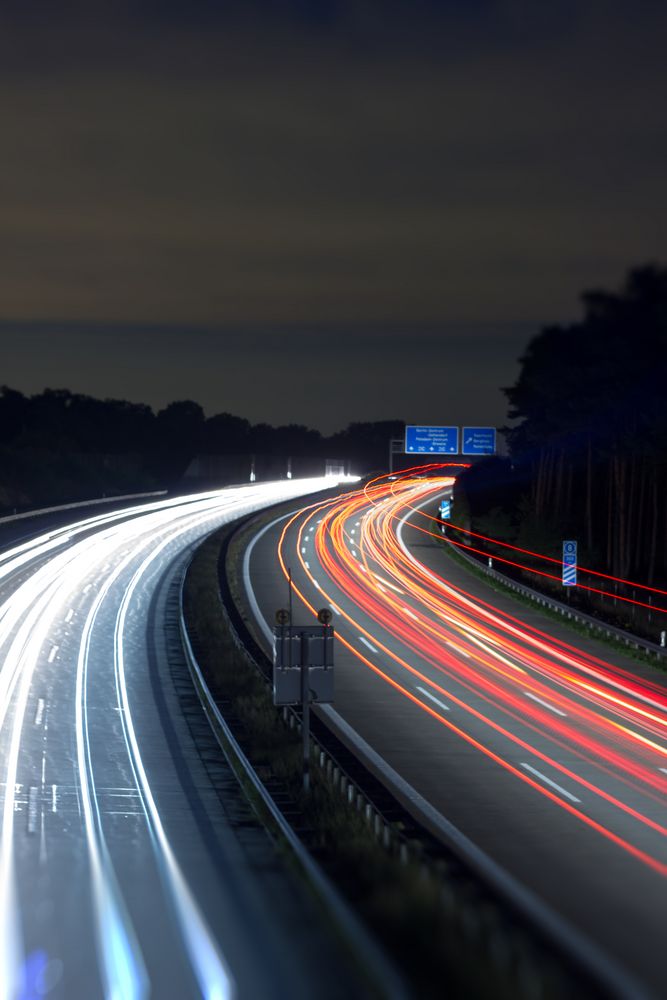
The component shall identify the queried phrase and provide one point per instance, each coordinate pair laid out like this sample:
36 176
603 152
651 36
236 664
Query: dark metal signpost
303 670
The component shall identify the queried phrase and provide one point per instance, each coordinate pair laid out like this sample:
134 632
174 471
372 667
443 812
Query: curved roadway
129 864
548 751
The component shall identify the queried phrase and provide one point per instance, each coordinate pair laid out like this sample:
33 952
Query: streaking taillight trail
516 691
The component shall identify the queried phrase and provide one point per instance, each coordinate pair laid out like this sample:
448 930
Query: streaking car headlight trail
86 584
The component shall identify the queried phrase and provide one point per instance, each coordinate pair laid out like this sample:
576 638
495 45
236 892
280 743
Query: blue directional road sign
431 440
569 564
445 509
479 440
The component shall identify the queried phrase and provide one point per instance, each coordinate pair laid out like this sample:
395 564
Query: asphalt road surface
130 864
547 750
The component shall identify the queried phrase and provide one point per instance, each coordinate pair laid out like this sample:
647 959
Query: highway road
549 751
130 865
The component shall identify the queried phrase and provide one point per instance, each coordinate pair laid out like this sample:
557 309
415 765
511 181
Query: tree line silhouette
59 446
589 451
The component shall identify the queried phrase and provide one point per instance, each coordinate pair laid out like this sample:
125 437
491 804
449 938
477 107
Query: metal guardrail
595 624
358 938
81 503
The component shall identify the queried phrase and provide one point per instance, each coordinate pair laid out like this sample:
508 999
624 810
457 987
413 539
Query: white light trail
58 583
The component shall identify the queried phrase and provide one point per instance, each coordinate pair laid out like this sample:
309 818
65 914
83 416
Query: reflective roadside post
303 670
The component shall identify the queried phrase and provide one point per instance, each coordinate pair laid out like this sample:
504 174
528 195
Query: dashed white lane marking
69 615
87 588
410 613
32 809
54 807
52 654
663 769
386 583
42 841
334 608
306 564
39 714
303 549
367 643
552 708
432 697
354 554
543 777
316 585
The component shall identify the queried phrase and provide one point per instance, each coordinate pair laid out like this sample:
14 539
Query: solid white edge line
548 781
254 606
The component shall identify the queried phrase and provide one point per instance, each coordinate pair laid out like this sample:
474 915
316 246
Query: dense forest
58 446
589 443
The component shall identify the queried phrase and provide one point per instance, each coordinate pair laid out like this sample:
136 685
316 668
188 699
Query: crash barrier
382 973
594 624
81 503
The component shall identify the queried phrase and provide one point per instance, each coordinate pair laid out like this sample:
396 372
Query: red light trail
508 689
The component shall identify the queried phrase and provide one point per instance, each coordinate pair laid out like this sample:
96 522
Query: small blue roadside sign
479 440
445 509
569 564
431 440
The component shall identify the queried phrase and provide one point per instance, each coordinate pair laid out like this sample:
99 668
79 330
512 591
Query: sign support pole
305 717
290 688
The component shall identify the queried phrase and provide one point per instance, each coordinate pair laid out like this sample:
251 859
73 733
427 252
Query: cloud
328 162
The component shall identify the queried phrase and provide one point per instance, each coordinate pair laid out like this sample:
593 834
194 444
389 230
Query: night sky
319 212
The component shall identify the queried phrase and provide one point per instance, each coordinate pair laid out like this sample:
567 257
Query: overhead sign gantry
431 440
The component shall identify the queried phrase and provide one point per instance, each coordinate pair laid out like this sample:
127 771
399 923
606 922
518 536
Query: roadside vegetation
477 569
58 446
588 461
